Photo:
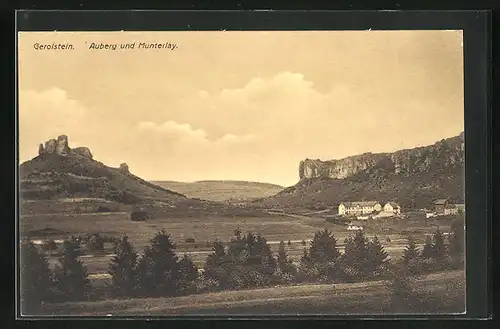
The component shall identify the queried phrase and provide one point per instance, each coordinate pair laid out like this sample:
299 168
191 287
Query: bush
140 216
103 209
49 246
403 295
95 243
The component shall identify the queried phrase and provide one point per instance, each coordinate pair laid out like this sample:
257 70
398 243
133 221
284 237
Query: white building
392 207
354 228
359 207
454 209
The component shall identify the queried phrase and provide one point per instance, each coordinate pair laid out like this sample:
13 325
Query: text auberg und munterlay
108 46
133 45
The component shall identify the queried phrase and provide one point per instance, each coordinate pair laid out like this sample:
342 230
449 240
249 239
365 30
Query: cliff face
447 153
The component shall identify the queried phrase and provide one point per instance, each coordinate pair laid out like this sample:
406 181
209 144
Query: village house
359 207
392 207
440 205
454 209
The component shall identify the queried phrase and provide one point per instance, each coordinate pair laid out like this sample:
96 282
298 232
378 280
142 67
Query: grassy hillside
432 172
443 293
409 192
52 176
222 190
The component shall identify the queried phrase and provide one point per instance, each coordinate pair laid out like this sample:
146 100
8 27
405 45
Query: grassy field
55 225
444 292
205 229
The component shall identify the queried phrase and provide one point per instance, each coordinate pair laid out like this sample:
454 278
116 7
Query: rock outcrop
83 151
60 147
41 149
124 168
446 153
50 146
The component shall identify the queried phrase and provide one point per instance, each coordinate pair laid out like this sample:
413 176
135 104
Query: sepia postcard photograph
174 173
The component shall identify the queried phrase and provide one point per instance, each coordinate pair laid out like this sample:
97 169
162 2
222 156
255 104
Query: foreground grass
444 293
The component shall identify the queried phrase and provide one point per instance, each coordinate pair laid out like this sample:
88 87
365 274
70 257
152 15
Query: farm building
454 209
440 205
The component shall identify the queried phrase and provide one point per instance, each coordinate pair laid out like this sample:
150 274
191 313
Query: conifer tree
158 267
440 250
188 274
306 265
216 266
411 252
355 258
285 265
411 257
322 258
49 246
457 238
123 269
282 257
324 247
377 257
248 262
71 274
428 250
36 278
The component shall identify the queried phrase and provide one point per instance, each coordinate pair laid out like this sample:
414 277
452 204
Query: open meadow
443 292
57 220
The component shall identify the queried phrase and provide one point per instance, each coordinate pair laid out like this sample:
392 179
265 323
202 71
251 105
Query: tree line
245 262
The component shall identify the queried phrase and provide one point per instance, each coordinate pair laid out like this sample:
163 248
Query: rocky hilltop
412 177
446 153
61 172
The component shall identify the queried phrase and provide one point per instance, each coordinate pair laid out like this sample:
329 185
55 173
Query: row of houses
444 207
374 209
360 208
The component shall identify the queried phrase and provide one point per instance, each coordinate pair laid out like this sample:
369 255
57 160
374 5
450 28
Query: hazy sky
239 105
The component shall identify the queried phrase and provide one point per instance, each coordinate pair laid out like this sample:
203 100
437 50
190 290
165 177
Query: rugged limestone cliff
413 178
446 153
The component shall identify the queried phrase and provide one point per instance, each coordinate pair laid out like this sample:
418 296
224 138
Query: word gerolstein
133 45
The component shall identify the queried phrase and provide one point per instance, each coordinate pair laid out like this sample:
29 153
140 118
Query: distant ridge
222 190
